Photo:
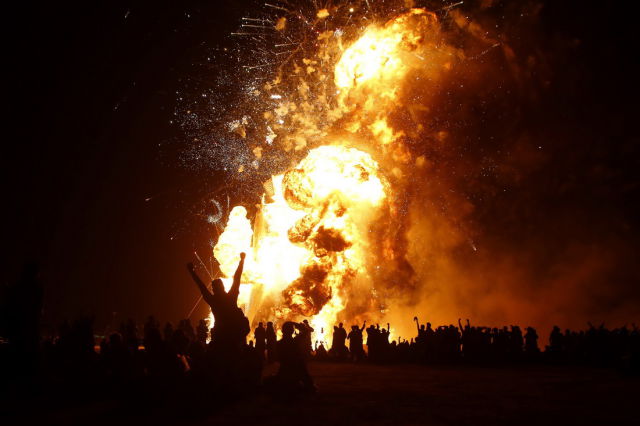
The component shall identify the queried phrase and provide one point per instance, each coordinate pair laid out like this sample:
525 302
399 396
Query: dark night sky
92 92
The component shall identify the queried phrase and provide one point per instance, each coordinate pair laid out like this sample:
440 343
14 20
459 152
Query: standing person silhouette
272 339
231 326
293 374
260 336
305 331
338 346
355 342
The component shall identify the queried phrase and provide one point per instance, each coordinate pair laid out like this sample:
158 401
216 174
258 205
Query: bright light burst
318 117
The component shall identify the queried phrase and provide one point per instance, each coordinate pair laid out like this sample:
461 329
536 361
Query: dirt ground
451 395
373 394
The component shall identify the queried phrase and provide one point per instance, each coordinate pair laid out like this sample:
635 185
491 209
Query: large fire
308 246
310 249
388 161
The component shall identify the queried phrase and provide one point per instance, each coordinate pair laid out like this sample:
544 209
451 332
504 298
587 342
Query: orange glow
310 238
377 56
310 247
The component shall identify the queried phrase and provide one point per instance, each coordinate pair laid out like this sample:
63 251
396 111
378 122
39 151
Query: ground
444 395
406 394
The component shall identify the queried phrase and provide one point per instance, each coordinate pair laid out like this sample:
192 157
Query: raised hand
234 291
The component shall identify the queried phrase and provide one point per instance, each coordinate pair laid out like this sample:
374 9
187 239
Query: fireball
310 248
308 243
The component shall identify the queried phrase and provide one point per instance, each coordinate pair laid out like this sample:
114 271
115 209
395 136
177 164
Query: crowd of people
597 346
221 354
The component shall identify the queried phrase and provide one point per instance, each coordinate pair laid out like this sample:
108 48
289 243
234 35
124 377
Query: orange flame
308 252
309 241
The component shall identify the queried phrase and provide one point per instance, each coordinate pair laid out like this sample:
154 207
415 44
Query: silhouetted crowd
597 346
220 360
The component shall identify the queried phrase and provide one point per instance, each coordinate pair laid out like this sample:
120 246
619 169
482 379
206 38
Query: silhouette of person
516 342
421 339
355 342
151 336
531 341
129 332
293 374
338 346
168 331
271 342
187 329
231 326
305 331
202 331
556 341
321 352
260 337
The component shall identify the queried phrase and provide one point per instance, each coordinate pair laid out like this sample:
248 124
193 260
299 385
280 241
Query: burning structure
328 240
354 137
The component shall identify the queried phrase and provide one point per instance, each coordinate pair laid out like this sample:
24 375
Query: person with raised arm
385 334
207 295
231 326
234 291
